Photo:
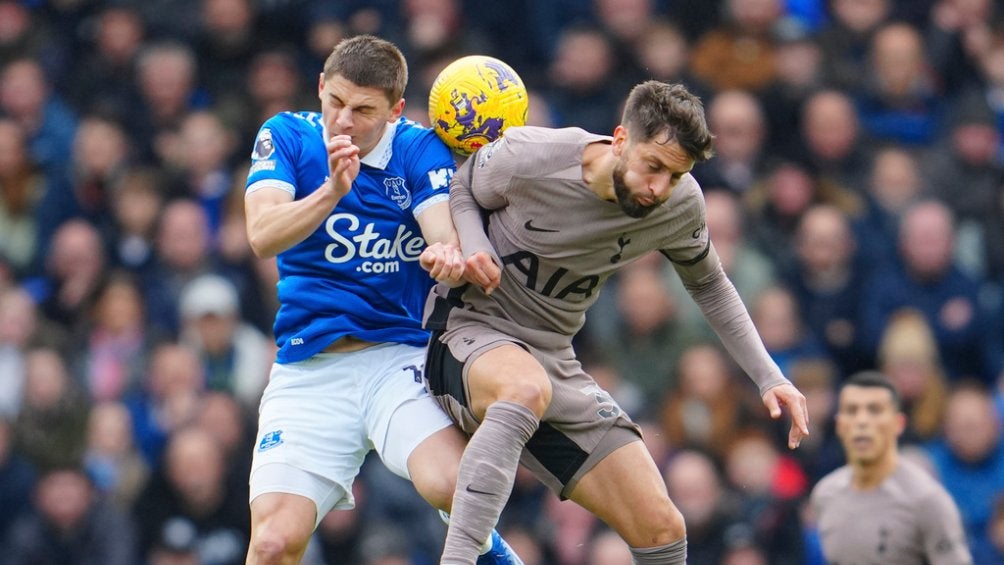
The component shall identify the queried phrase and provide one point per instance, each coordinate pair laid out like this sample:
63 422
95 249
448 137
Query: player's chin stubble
627 203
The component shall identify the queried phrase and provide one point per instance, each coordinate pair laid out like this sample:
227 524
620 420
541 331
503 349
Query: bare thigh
627 492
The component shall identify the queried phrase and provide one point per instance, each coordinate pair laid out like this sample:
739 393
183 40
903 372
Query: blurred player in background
881 508
347 199
565 210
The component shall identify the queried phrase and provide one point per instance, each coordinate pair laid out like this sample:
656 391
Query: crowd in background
856 201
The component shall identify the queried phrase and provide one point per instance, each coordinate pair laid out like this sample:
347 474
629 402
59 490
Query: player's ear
900 423
320 85
620 140
396 110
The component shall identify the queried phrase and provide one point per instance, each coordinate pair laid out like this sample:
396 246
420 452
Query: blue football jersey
358 274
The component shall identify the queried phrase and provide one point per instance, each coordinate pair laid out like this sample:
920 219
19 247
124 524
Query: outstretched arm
717 297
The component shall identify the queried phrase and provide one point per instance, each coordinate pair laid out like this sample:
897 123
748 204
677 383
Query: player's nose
343 119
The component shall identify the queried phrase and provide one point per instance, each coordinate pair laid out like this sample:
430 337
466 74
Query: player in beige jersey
879 508
545 217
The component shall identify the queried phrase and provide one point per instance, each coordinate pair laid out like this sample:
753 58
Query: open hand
787 395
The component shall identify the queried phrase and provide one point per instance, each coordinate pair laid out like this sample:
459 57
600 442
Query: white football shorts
320 417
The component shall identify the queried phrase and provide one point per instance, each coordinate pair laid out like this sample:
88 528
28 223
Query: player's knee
436 488
663 524
274 544
534 393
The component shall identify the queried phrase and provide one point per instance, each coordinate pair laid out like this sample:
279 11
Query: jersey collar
380 155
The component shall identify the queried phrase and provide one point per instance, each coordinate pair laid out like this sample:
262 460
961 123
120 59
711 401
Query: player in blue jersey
347 200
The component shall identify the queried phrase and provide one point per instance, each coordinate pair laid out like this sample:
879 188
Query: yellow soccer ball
473 100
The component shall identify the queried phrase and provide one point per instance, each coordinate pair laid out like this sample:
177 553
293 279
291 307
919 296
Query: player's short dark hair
655 108
874 379
370 62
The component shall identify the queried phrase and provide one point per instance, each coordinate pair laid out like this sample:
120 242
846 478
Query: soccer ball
473 100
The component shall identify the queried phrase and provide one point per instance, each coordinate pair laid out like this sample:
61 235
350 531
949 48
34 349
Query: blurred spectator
777 203
900 100
769 486
432 27
966 173
739 52
70 524
101 152
798 74
22 34
183 252
994 552
26 96
51 426
191 488
114 348
626 22
990 86
226 419
958 34
831 138
893 185
780 324
607 548
22 186
18 324
529 546
929 281
908 356
167 78
736 119
235 356
275 83
74 272
17 480
339 534
846 37
203 163
662 52
704 410
820 452
137 200
649 337
227 39
111 459
103 80
696 487
175 546
970 459
168 401
827 284
573 527
584 83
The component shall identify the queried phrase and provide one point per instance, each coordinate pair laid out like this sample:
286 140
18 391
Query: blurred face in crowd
64 496
927 240
972 426
830 124
868 424
737 121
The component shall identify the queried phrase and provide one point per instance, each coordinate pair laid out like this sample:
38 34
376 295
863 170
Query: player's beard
628 204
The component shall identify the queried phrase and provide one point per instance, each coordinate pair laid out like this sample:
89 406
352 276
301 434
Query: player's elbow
262 248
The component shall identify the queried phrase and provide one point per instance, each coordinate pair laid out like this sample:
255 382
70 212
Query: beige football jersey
523 199
910 519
